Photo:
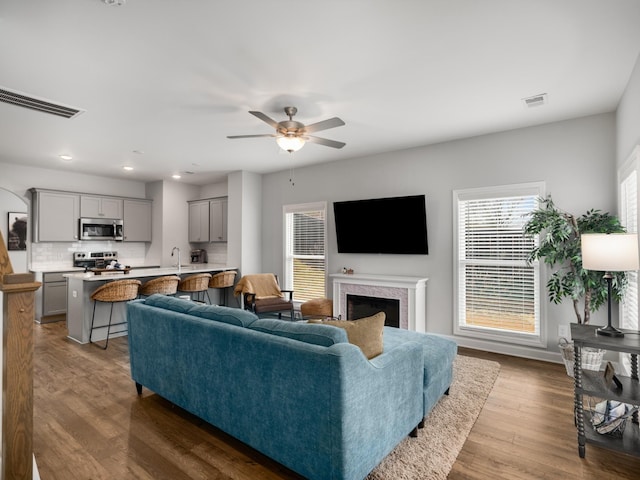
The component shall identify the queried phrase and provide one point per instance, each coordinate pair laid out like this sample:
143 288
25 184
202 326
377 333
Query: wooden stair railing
18 313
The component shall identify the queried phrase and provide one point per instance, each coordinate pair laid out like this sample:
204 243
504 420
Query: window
497 294
305 247
628 214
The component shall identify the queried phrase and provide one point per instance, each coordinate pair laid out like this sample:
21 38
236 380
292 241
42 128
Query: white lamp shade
290 144
609 252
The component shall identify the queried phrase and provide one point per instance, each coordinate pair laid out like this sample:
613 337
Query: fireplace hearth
360 306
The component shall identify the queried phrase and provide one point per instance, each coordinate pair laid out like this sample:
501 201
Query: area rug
433 453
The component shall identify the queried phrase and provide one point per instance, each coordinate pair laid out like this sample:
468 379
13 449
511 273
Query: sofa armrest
288 292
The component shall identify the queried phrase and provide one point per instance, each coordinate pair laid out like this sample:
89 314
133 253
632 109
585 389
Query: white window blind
628 214
305 247
497 291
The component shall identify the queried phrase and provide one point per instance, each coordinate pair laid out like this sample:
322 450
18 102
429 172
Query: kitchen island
80 286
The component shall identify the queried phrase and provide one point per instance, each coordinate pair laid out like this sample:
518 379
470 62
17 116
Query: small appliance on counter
94 259
199 256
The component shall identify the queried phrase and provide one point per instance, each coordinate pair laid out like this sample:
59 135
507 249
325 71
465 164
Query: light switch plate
563 331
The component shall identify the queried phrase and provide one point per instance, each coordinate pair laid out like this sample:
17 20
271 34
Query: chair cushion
301 331
273 304
366 332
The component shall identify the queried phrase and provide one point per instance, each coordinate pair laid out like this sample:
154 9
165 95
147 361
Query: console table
592 383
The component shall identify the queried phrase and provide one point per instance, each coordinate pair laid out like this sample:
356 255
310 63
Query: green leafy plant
559 247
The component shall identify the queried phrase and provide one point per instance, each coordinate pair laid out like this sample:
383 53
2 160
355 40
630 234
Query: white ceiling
172 79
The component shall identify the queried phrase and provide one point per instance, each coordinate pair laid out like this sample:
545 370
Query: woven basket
167 285
591 357
223 279
609 417
195 283
117 291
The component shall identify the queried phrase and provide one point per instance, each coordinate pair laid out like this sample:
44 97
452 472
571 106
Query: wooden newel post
18 315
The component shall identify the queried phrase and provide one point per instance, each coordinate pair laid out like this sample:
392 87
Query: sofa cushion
366 332
233 316
301 331
169 303
439 351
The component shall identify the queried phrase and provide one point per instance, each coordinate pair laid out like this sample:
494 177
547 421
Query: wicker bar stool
196 285
223 280
167 285
113 292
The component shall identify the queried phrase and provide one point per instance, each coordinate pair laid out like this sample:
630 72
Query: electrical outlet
563 331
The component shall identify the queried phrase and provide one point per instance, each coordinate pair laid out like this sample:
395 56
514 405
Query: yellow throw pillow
366 332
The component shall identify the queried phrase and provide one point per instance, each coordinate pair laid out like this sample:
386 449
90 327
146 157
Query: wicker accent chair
167 285
197 286
223 280
262 294
113 292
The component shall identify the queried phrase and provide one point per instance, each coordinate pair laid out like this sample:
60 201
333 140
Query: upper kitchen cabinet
137 220
55 216
199 221
218 220
101 207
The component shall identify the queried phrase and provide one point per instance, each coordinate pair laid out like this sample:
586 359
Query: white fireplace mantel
410 291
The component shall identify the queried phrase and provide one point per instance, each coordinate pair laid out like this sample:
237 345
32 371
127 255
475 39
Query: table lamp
609 252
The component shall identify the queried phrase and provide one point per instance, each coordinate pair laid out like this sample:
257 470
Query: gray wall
628 117
574 158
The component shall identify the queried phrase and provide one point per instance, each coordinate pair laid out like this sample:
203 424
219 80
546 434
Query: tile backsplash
60 254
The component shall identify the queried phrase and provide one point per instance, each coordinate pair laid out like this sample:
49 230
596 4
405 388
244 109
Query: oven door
100 229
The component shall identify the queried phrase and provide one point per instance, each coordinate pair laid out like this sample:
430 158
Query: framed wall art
17 231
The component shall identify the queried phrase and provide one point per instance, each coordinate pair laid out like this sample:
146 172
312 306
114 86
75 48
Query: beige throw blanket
262 284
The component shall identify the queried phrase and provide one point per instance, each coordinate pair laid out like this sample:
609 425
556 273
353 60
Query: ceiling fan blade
324 141
266 119
324 125
252 136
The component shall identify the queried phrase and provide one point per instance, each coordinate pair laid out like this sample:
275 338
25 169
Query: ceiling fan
292 135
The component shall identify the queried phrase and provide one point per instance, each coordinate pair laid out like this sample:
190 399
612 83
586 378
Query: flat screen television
395 225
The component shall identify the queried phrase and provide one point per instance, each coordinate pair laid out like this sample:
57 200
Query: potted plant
559 247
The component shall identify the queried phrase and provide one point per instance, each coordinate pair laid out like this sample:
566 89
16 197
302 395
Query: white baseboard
506 349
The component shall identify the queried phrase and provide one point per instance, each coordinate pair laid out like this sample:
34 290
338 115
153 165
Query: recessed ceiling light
66 157
127 167
176 176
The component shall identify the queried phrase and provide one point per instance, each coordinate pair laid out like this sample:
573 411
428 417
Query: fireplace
360 306
409 292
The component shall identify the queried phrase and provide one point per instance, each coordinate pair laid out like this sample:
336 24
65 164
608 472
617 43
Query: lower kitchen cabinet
53 305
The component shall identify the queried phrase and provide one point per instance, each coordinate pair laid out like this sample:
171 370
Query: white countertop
150 272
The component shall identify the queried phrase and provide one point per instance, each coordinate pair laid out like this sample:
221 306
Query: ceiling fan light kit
291 135
290 143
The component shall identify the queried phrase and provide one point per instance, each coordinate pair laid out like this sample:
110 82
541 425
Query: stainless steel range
93 259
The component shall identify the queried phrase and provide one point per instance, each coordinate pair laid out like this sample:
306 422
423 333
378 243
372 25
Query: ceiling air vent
46 106
535 101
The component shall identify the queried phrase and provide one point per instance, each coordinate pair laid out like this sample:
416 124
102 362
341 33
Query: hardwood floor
90 424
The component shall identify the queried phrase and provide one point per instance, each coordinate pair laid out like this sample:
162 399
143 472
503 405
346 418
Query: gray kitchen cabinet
92 206
199 221
55 216
137 220
218 220
54 296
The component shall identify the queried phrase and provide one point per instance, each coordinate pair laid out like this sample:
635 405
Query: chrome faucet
179 261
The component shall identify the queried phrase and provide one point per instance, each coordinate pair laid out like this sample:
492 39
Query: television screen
382 225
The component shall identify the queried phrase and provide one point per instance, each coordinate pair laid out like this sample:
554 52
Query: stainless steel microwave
101 229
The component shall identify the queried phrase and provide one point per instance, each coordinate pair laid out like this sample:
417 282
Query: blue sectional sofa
299 393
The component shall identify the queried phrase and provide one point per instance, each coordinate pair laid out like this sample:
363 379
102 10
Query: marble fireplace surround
410 291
